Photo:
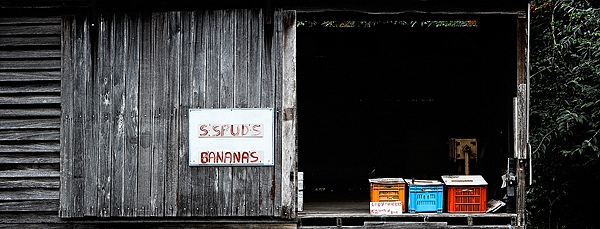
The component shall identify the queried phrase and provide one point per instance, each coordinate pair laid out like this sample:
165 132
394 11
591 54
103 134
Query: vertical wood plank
226 89
117 119
131 115
151 69
522 117
521 50
91 132
172 149
211 185
66 140
254 97
198 98
81 74
521 151
238 196
188 27
160 112
145 99
105 63
277 56
288 128
267 100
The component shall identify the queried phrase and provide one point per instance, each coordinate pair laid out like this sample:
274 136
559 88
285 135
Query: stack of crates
466 193
388 190
425 196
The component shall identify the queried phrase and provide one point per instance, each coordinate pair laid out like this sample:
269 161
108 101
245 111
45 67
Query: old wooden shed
95 99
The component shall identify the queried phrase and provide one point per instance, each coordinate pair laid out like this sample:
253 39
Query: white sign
231 137
386 208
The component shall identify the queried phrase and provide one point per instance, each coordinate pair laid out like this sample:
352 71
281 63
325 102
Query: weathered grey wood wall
29 114
128 83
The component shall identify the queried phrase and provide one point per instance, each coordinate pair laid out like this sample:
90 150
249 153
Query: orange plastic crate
381 192
467 198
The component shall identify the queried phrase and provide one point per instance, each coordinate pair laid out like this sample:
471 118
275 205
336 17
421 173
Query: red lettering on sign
245 129
237 156
204 157
203 130
230 130
216 130
237 130
224 129
228 157
245 157
256 128
211 156
254 157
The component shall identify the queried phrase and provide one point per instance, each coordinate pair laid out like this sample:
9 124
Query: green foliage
564 113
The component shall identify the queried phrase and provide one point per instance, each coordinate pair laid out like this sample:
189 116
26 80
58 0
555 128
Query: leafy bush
564 114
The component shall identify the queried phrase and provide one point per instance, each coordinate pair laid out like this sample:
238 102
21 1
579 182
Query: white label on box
386 208
300 200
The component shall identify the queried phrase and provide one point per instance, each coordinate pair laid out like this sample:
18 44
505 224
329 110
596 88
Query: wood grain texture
29 194
145 122
117 121
30 135
160 113
30 147
33 53
268 184
48 29
29 206
211 174
42 64
255 62
198 95
150 69
30 120
30 158
36 123
131 117
104 65
66 140
91 123
29 171
30 20
29 112
31 87
226 89
29 41
35 182
174 52
29 99
240 100
7 76
184 181
289 127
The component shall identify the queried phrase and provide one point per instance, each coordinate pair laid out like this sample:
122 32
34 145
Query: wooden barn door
128 81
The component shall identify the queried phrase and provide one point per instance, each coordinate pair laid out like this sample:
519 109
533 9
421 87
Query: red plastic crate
467 198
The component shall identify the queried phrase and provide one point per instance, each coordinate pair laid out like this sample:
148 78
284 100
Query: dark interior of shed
384 101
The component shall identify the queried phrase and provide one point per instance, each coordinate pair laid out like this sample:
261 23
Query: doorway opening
383 102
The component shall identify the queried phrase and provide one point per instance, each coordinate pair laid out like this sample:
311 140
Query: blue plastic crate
425 198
